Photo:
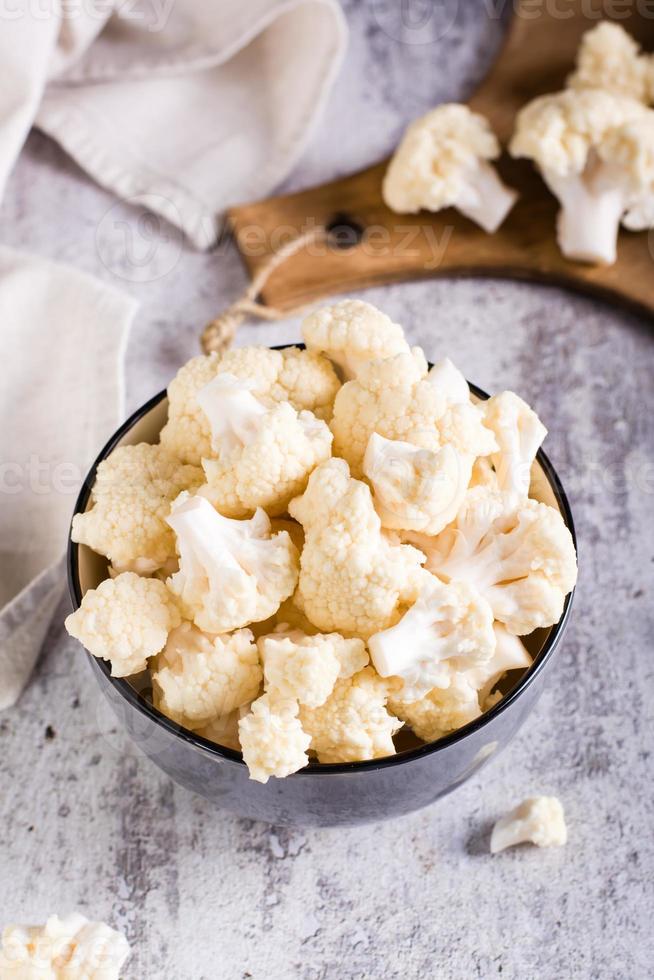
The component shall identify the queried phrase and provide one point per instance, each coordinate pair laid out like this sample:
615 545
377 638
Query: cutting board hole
344 232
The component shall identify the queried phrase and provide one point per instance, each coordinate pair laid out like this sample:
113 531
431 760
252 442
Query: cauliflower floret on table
595 151
353 580
68 948
351 333
519 434
442 161
449 627
264 453
353 724
231 573
131 499
198 678
272 739
307 667
522 561
125 621
539 820
306 379
396 399
608 58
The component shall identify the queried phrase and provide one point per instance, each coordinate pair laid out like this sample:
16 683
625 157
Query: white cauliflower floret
131 499
125 621
352 579
306 379
519 434
307 667
68 948
539 820
353 724
351 333
416 489
199 678
272 739
395 398
595 151
608 58
231 573
523 562
441 711
449 627
265 454
442 162
510 654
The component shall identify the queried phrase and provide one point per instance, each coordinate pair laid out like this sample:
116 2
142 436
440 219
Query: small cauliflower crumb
198 678
131 500
68 948
539 820
125 621
353 724
272 739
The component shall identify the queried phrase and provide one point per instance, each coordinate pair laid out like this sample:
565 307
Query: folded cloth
62 336
186 106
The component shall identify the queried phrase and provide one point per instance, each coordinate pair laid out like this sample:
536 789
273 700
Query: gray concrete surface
88 823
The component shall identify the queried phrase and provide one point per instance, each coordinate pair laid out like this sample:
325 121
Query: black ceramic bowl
325 795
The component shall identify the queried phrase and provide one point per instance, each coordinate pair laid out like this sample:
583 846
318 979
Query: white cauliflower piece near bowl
353 724
67 948
305 668
443 161
304 378
352 579
351 333
265 454
231 573
539 820
125 621
199 678
272 739
131 498
448 627
608 58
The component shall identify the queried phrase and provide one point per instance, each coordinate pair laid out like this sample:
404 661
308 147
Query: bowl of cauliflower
321 584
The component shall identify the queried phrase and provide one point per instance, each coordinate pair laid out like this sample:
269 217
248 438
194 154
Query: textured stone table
88 823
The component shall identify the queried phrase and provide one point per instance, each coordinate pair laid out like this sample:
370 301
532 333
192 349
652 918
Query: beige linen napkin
186 106
62 337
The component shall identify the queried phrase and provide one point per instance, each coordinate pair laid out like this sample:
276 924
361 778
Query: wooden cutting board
378 246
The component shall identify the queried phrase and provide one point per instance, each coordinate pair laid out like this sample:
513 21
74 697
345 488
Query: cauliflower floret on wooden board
305 379
67 948
125 621
260 623
443 161
131 500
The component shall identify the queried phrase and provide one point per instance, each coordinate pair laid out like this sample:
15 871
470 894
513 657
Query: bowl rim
144 707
